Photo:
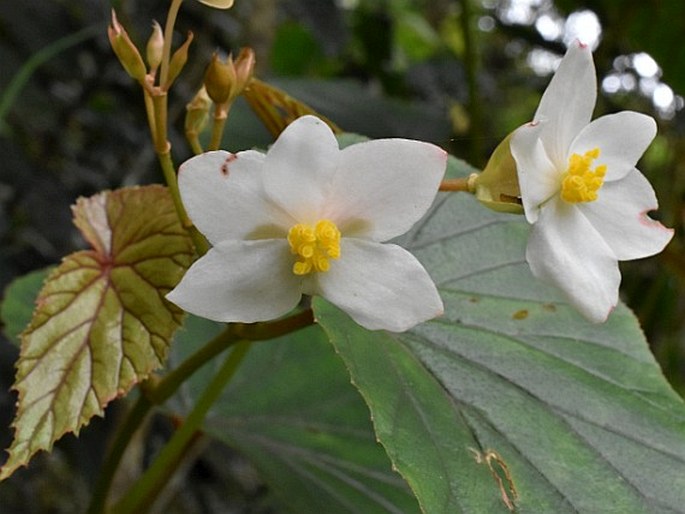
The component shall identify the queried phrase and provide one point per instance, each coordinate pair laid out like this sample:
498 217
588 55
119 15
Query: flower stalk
157 391
141 496
224 81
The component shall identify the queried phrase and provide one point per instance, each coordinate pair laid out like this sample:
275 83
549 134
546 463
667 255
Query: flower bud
155 47
197 112
125 50
178 61
244 68
225 80
219 79
218 4
498 187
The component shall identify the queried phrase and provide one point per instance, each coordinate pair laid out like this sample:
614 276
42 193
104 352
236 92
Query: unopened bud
244 69
218 4
219 79
197 112
178 61
498 187
155 47
125 50
225 80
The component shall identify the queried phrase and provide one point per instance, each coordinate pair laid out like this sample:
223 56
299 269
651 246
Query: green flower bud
155 47
178 61
244 68
219 79
498 187
197 112
125 50
225 80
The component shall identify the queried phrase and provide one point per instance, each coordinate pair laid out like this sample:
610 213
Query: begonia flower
310 218
581 191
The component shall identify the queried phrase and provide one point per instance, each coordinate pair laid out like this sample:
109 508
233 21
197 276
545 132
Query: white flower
310 218
581 191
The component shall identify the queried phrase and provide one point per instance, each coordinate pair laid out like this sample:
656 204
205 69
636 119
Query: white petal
242 281
622 138
565 250
568 102
381 286
382 187
299 168
223 195
620 216
539 180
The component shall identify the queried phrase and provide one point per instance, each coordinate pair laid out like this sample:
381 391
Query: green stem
159 99
167 386
168 36
201 245
233 333
150 111
220 117
142 495
193 139
125 431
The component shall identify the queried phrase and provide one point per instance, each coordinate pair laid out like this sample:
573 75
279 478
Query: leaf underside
101 322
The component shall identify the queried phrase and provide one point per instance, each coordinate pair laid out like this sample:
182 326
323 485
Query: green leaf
424 435
513 399
293 412
101 323
20 299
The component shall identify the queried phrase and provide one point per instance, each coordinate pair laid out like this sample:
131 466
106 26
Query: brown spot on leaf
500 472
522 314
550 307
474 299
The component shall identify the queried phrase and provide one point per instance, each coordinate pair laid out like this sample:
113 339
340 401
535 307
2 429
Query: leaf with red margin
101 322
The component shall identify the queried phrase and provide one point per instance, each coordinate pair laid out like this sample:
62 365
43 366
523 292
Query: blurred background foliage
462 74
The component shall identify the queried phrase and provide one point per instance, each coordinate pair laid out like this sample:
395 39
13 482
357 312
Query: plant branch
220 117
156 394
122 437
457 184
143 494
168 37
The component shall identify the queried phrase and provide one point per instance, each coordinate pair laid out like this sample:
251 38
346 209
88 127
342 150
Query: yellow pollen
314 246
580 183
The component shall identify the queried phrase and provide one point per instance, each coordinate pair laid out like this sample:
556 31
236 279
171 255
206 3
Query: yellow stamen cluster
580 183
314 246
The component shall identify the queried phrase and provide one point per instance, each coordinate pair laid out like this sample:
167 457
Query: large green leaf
101 323
292 411
511 400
